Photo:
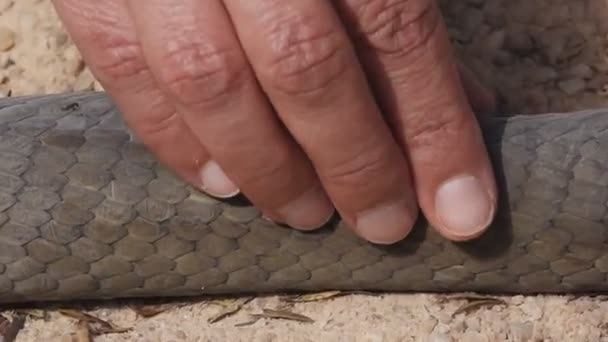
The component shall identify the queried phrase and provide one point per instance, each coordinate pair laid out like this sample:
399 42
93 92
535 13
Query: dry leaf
7 315
314 297
477 304
319 296
97 326
229 308
283 314
33 313
249 322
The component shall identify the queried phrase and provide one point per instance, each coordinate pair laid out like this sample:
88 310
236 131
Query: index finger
406 51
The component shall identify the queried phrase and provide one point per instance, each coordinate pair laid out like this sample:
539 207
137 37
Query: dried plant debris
147 311
321 296
313 297
279 313
10 326
283 314
228 308
253 320
469 297
95 325
476 303
33 313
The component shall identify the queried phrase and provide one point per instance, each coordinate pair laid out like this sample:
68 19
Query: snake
88 213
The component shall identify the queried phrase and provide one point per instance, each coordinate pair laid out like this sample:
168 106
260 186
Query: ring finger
304 61
196 58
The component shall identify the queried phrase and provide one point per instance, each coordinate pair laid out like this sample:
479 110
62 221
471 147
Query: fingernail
215 181
309 211
387 223
464 206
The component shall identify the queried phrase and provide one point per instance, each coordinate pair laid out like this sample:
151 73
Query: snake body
87 212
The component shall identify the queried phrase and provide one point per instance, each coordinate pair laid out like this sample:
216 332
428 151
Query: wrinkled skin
306 107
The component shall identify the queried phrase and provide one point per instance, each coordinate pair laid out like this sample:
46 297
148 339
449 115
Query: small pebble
495 41
541 74
97 86
517 300
522 331
519 40
181 335
7 39
503 58
535 100
58 39
472 18
520 12
572 86
580 71
428 325
441 337
85 81
494 12
5 61
73 60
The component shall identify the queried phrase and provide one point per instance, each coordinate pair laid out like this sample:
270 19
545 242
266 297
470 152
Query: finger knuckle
123 58
197 74
397 27
159 126
358 171
273 169
269 168
434 130
114 53
307 56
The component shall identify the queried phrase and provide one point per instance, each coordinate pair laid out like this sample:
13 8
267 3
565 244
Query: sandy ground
545 55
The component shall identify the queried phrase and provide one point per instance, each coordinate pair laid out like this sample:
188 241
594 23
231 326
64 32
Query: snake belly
87 212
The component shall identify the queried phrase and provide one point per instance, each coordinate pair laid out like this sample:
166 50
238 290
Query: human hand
303 106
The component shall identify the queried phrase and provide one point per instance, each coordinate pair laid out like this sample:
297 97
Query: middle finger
304 61
197 60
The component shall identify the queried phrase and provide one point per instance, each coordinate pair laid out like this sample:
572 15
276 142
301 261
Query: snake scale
86 212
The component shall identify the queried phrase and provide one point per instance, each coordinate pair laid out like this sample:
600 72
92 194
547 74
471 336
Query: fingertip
310 211
465 207
388 223
215 182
